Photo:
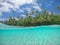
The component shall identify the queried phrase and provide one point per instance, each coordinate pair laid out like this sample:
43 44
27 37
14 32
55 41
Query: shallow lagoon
40 35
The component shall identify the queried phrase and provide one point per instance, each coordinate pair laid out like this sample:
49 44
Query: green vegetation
39 19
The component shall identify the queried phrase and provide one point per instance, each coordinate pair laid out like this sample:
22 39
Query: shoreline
21 27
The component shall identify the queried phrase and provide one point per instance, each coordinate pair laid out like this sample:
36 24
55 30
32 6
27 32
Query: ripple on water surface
40 35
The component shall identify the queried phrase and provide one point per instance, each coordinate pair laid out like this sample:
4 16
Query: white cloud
19 10
13 4
2 19
23 15
28 9
49 13
0 14
36 6
6 5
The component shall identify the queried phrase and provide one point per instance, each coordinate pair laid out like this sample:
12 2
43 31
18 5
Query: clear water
40 35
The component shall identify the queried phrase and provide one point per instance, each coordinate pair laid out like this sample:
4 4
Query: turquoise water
40 35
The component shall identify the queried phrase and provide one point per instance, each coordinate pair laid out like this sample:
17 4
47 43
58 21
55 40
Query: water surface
40 35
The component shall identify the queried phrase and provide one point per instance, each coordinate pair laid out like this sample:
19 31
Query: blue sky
7 7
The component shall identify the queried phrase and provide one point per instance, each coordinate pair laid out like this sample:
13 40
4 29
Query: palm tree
27 14
37 11
32 12
45 12
58 8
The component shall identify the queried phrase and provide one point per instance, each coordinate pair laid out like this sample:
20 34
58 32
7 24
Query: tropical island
35 18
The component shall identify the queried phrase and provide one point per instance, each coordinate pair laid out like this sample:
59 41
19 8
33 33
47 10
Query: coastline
6 27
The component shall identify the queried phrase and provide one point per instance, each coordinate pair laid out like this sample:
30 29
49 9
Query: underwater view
39 35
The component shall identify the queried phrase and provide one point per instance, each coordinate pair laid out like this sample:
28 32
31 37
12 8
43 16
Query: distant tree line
39 19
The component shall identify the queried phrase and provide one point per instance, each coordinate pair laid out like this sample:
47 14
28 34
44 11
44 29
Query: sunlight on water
40 35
